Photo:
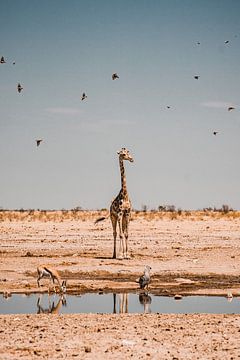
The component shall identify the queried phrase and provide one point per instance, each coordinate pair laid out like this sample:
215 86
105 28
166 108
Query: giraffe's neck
123 178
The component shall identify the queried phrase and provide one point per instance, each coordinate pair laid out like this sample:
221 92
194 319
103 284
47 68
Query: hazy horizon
157 109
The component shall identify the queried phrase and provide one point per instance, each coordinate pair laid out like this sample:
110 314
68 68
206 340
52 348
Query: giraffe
120 209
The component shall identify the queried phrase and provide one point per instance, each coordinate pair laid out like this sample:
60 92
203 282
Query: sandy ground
194 254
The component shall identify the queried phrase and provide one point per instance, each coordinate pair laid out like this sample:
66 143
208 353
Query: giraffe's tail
101 219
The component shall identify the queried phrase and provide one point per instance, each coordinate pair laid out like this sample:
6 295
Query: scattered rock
25 283
29 254
87 349
36 353
127 342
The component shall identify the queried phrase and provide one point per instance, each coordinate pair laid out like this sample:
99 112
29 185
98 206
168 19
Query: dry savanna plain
190 253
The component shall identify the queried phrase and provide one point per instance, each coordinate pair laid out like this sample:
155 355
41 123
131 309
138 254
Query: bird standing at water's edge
144 280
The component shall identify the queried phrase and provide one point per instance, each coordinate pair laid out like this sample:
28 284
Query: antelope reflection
52 308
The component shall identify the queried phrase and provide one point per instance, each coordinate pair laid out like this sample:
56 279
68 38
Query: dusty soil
193 253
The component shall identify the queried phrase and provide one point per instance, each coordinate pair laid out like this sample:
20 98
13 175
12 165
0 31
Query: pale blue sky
64 48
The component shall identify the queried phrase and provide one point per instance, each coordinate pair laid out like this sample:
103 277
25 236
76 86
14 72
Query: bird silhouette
2 61
19 88
38 141
115 76
84 96
215 133
196 77
226 42
198 43
231 108
168 107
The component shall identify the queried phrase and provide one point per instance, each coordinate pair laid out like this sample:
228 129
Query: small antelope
52 274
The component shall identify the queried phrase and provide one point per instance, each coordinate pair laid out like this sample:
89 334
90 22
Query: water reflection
120 303
52 308
117 303
145 300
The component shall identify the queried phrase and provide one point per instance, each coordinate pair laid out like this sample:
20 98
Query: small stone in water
177 297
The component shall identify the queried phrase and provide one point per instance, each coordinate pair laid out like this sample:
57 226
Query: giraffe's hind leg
122 240
125 222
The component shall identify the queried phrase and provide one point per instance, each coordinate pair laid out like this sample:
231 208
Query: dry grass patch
92 215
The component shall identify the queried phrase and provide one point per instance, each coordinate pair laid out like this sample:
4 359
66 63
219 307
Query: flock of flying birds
20 88
196 77
114 77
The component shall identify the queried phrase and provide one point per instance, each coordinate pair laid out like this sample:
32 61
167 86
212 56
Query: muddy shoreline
192 253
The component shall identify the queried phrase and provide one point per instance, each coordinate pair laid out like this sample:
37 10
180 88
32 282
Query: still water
117 303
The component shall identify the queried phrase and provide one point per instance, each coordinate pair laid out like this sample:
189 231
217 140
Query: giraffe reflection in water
122 303
52 308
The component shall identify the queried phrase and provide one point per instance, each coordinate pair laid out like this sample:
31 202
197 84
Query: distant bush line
162 212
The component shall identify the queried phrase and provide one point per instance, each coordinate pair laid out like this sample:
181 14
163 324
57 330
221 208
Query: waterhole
117 303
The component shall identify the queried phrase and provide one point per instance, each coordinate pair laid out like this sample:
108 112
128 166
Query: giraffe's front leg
122 247
114 226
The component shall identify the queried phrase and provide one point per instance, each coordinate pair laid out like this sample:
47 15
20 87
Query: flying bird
38 141
115 76
19 88
231 108
84 96
14 63
196 77
2 61
226 42
215 133
144 280
168 107
198 43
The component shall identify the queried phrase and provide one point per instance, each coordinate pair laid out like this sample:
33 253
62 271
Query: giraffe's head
125 155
